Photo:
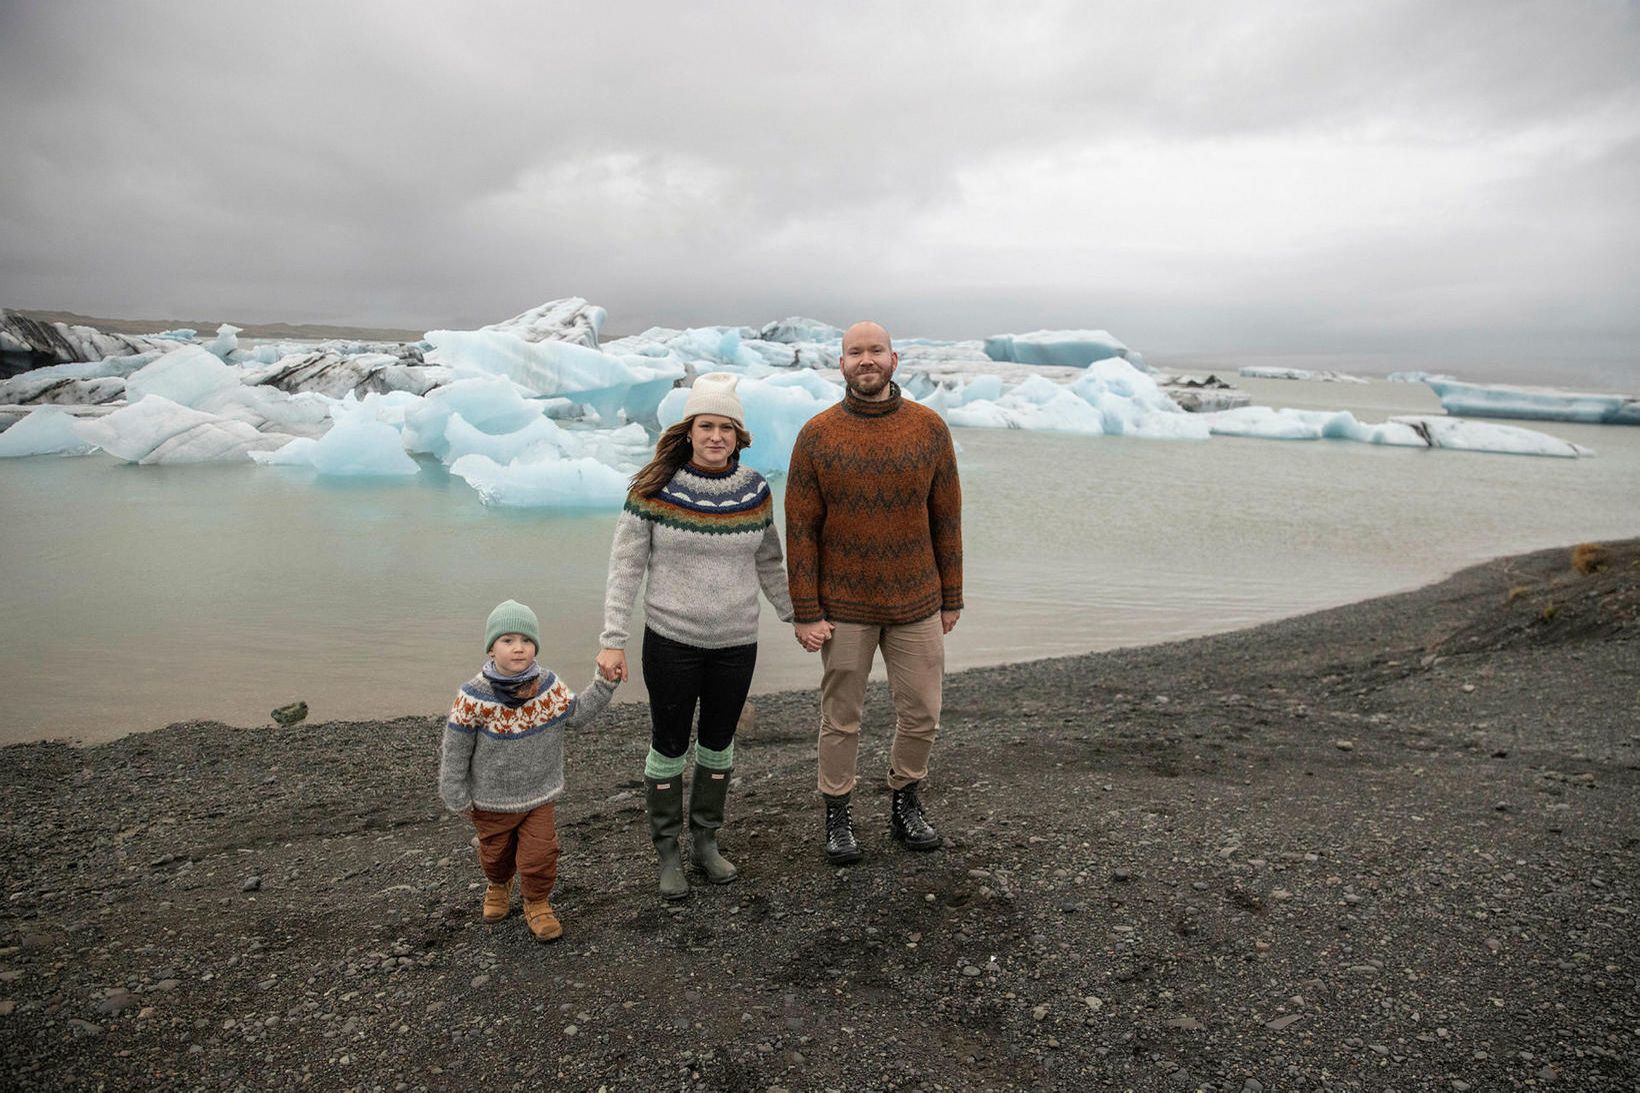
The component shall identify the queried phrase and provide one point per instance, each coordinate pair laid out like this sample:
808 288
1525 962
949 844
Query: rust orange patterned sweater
874 514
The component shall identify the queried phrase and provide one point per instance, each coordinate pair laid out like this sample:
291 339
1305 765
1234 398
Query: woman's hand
612 664
812 635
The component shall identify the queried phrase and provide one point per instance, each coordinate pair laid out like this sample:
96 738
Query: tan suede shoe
543 920
497 901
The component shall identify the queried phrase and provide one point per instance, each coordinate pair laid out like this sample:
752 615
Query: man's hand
812 635
612 664
948 620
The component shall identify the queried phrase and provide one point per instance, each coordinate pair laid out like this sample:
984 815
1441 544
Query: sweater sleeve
945 522
455 783
628 559
589 702
771 573
805 517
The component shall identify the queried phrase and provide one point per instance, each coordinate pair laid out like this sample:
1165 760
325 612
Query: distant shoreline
314 331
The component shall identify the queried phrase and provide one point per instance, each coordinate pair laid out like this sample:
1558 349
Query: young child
503 763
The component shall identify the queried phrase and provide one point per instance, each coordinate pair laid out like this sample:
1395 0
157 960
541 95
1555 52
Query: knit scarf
513 690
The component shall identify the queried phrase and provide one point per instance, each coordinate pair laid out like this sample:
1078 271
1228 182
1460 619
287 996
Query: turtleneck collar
865 408
704 472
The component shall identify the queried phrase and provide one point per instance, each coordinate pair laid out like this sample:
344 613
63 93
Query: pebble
970 971
1282 1022
1344 745
479 981
251 884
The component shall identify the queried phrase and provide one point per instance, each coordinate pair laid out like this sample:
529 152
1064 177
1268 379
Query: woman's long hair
672 451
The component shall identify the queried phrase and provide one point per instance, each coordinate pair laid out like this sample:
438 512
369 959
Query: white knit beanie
714 393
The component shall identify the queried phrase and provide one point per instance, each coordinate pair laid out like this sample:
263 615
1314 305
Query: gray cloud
1193 176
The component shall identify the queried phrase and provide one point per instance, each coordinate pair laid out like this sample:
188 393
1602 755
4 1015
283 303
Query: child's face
513 653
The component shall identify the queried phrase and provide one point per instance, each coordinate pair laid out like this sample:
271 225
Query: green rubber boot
664 797
706 799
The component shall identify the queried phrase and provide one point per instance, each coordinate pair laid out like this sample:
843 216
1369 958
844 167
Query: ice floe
46 430
1267 372
1534 403
1063 347
157 430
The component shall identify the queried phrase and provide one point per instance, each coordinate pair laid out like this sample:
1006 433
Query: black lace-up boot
841 849
907 824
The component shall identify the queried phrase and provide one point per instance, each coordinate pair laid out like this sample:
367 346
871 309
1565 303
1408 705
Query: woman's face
712 438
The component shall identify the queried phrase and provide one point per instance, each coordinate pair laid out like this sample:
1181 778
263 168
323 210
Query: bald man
874 559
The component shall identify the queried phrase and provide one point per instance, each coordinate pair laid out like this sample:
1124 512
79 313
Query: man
874 558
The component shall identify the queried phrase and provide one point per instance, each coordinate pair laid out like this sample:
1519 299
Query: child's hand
612 664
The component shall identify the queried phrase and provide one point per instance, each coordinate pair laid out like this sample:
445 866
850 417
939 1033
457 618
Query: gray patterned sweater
509 756
708 542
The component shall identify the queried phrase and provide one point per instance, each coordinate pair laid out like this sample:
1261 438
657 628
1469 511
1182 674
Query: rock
1282 1022
1185 1022
1344 745
114 1001
251 884
289 715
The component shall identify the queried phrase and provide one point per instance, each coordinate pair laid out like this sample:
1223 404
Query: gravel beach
1390 846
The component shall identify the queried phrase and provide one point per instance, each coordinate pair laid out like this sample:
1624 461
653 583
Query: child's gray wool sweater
709 542
509 757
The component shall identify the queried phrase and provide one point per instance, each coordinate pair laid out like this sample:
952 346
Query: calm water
137 596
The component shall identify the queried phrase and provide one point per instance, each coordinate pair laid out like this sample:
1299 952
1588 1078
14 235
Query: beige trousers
914 654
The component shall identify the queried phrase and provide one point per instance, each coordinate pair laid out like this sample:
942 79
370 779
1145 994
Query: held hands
812 635
612 664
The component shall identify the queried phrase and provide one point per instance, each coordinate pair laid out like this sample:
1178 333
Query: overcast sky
1425 178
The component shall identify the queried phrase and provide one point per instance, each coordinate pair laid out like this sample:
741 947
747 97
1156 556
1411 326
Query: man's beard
857 386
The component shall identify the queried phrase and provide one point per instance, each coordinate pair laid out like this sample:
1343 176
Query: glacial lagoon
137 596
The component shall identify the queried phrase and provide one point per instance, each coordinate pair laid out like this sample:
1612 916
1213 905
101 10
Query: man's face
868 360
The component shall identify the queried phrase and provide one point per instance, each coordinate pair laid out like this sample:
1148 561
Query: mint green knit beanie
511 617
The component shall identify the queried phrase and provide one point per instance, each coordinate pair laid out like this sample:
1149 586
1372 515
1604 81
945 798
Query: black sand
1388 846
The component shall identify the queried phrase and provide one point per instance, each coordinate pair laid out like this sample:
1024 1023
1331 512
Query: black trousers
679 677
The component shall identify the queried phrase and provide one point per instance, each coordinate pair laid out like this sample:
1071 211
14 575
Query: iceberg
157 430
1063 347
48 430
1484 436
464 439
490 404
32 388
356 446
1416 377
1109 397
185 376
545 483
796 330
605 382
1535 403
1410 431
63 343
329 372
571 320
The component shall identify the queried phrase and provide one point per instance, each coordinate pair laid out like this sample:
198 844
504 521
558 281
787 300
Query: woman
702 527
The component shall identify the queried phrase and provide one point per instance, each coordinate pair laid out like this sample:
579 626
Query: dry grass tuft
1590 558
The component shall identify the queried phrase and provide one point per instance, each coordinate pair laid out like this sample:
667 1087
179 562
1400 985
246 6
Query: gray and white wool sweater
505 752
708 543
